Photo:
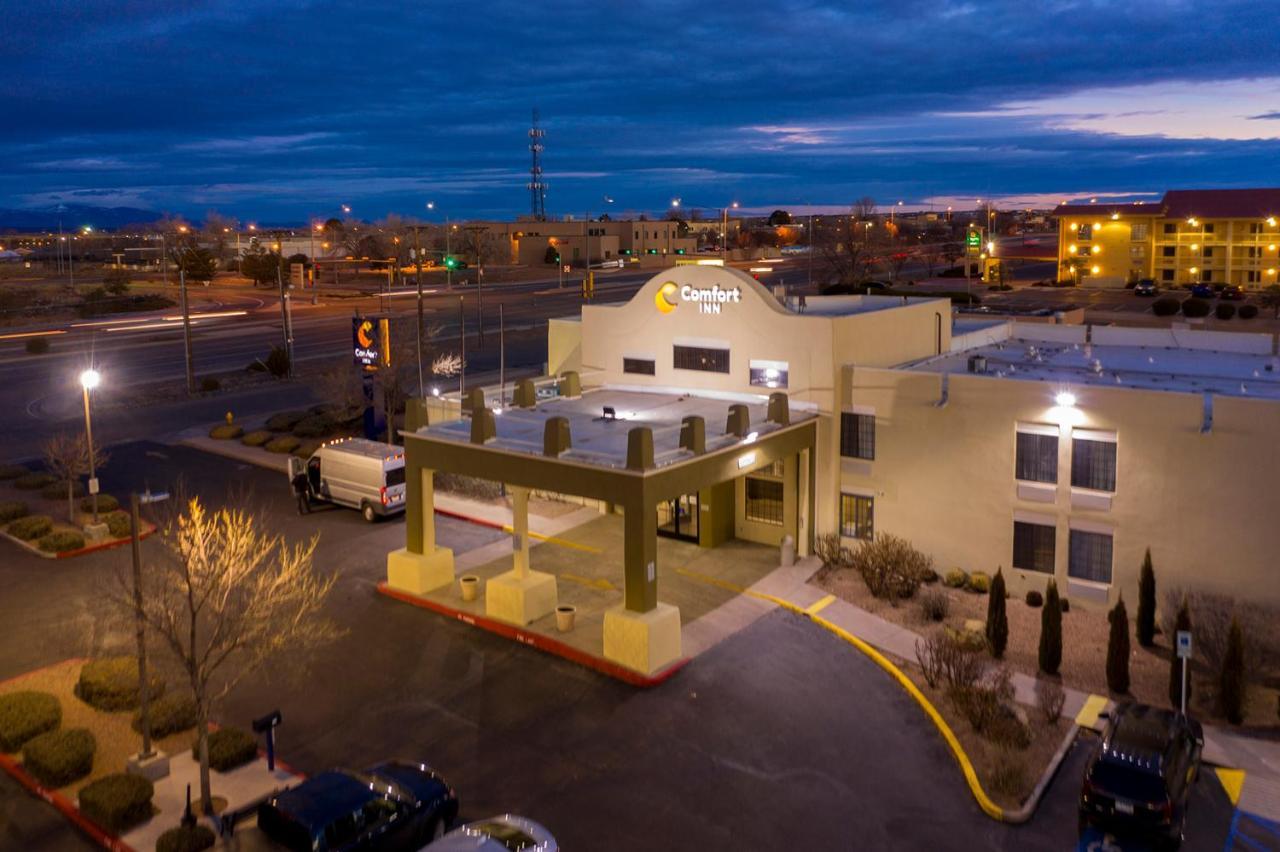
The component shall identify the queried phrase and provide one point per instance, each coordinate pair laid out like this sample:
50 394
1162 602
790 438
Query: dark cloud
289 109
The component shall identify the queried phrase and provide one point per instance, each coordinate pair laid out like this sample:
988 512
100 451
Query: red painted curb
480 522
106 545
96 833
540 642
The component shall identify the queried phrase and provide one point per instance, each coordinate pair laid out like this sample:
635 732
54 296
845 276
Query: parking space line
1088 715
599 583
819 605
1232 781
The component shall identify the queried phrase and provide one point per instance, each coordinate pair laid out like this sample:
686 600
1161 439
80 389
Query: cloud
1265 116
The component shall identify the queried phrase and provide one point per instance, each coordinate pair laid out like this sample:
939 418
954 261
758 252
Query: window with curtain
1037 457
1034 546
857 516
858 436
1093 464
1090 556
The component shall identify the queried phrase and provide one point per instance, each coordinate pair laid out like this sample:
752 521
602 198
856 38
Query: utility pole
286 316
164 260
502 356
186 330
417 274
811 250
141 625
462 345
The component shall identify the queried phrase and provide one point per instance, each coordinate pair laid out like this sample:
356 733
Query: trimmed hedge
955 579
60 757
58 490
1196 308
283 444
111 684
11 510
170 713
195 838
118 802
226 432
1224 310
33 481
978 582
1034 599
314 426
228 748
256 438
13 471
305 449
106 503
27 714
1247 311
61 541
119 524
284 421
209 384
1165 307
31 527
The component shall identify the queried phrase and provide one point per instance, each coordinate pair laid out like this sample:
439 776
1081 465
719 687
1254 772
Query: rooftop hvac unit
977 364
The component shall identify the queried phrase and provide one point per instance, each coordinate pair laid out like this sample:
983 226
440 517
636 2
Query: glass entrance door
679 518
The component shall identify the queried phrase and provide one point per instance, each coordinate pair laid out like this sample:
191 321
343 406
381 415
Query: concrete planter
564 618
470 584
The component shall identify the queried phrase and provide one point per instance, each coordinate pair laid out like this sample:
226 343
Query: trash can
788 551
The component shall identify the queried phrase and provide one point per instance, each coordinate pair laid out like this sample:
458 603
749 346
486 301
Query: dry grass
1084 647
115 738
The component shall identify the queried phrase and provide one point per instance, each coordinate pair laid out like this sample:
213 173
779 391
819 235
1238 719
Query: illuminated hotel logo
709 300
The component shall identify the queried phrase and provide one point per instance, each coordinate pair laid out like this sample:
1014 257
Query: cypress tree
1231 687
1147 603
997 621
1051 631
1182 622
1118 649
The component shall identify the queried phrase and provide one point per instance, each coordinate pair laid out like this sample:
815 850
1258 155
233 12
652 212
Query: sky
285 110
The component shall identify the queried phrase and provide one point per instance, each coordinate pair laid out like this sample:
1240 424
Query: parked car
502 833
356 472
1145 287
1232 292
873 287
1140 776
389 806
1202 291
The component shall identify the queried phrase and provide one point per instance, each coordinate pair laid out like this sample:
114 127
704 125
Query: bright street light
431 205
675 202
90 379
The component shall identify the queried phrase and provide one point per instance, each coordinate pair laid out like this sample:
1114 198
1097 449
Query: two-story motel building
704 407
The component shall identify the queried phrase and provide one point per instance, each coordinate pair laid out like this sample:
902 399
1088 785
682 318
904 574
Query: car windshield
1127 782
509 836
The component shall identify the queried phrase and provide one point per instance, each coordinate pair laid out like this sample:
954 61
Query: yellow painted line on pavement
819 605
1232 781
550 539
1088 715
591 582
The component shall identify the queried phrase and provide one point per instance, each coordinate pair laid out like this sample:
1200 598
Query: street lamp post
89 380
144 694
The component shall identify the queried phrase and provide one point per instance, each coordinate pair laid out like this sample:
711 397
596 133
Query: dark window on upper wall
769 377
1089 557
640 366
1093 464
858 436
701 358
1033 546
1037 457
1170 228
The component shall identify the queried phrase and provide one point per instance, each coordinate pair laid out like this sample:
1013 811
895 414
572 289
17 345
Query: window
1208 251
1085 232
769 374
1093 463
858 436
701 358
1169 251
1207 275
764 500
1170 228
1033 546
1252 276
1208 229
1166 274
857 516
1037 456
1090 556
639 366
1138 231
395 476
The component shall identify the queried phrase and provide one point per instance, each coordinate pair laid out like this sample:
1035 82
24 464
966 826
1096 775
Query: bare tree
341 388
66 457
863 208
847 250
227 597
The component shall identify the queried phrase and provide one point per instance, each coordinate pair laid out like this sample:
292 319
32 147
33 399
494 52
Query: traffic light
651 251
679 251
450 262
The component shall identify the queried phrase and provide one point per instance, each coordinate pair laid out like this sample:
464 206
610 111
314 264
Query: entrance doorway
679 518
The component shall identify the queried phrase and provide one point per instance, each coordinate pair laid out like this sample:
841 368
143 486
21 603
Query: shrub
58 490
1118 649
194 838
226 432
256 438
284 421
314 426
930 577
1147 602
1165 307
111 683
1196 308
955 579
970 640
305 449
997 618
1181 622
1035 599
1009 775
37 345
1224 310
948 662
282 444
1064 605
986 705
277 362
11 510
1050 696
59 757
12 471
209 384
474 487
170 713
117 802
978 582
228 748
119 524
27 714
831 552
34 481
890 566
1231 684
61 541
934 604
1247 311
256 366
31 527
106 503
1050 652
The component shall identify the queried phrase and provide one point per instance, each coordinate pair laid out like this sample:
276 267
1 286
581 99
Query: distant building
1209 236
645 243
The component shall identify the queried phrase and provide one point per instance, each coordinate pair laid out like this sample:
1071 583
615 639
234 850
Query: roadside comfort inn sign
709 300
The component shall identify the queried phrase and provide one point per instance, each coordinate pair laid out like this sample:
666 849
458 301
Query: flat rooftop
1145 367
844 306
602 442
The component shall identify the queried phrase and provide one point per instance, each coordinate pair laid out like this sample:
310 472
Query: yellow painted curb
1232 781
819 605
1088 715
550 539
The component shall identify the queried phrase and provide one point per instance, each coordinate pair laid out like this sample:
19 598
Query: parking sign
1184 644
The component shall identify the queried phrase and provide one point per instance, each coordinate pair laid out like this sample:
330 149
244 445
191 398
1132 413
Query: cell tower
537 187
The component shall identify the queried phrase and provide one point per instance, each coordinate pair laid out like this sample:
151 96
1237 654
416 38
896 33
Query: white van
356 472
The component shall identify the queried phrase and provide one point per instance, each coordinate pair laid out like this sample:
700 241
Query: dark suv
1140 776
392 805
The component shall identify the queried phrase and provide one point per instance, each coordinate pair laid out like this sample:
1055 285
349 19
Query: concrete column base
419 573
520 600
153 767
646 642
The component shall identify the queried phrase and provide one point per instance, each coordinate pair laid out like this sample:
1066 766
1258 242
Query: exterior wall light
1065 399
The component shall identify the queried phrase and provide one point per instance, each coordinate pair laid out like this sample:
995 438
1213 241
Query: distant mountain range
73 216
